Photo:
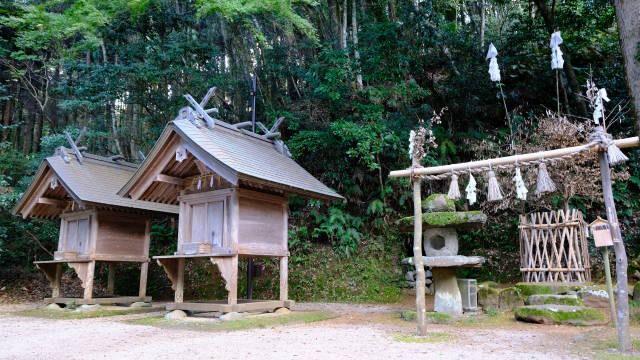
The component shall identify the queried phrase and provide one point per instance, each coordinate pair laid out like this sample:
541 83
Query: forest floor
353 331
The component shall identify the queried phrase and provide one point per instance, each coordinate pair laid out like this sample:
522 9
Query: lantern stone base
447 297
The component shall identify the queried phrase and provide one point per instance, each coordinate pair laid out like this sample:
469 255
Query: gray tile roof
252 157
97 180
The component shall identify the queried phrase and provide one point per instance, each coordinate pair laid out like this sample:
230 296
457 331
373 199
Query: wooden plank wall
262 224
121 234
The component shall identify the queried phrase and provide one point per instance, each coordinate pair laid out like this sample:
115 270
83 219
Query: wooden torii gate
416 172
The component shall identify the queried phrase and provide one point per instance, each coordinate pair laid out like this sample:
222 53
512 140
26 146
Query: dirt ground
358 332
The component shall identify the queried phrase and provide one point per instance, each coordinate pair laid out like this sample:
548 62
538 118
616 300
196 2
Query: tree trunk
622 292
628 14
37 132
574 87
7 114
343 34
335 23
483 21
27 133
393 13
356 53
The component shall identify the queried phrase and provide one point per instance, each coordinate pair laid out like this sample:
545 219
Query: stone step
560 314
544 288
573 300
593 297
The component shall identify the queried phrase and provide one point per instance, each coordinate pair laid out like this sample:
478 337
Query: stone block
53 306
509 298
175 315
560 314
554 299
595 298
438 202
543 288
488 297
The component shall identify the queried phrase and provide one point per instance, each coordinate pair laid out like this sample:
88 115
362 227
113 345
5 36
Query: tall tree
628 15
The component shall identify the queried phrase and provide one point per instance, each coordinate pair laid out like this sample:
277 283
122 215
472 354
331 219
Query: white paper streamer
494 69
557 61
598 110
521 188
493 52
471 190
412 136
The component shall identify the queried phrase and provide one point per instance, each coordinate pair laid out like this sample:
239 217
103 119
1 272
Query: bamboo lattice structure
553 247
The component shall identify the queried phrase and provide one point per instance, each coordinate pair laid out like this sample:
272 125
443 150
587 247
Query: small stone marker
88 307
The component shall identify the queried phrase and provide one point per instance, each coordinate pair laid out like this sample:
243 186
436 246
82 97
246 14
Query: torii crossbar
509 160
598 144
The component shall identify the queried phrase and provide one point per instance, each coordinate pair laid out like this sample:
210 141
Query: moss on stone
438 202
527 289
559 314
572 300
488 284
509 298
488 297
447 219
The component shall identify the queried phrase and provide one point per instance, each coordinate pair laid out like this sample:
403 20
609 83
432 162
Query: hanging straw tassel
615 155
454 188
521 188
471 190
494 193
544 183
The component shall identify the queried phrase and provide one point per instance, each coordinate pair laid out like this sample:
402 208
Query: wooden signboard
601 232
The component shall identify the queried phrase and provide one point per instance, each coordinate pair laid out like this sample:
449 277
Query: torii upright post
421 312
622 291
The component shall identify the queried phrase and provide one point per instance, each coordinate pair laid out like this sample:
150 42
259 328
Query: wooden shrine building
96 225
232 187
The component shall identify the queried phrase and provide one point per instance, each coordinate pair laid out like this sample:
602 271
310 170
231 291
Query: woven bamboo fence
553 247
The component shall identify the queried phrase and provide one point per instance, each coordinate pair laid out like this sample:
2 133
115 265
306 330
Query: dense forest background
351 77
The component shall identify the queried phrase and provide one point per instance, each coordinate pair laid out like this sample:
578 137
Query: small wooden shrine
232 187
96 225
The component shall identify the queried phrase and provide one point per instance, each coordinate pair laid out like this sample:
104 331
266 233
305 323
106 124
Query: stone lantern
441 223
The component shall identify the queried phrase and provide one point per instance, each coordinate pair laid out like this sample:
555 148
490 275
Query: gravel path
107 338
